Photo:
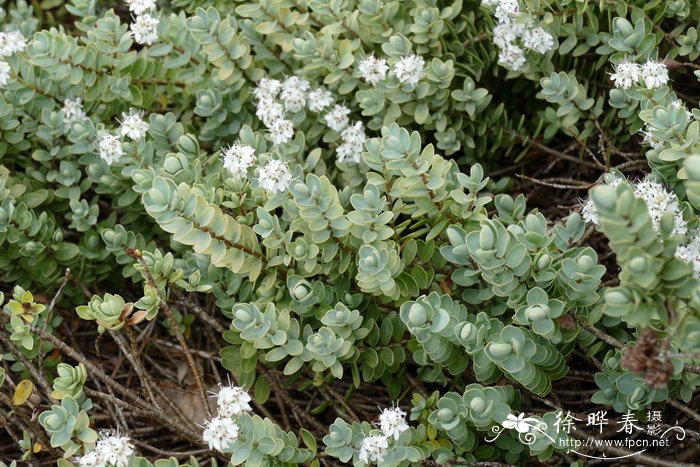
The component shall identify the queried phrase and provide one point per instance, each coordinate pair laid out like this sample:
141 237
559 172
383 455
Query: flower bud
188 145
544 261
500 349
477 404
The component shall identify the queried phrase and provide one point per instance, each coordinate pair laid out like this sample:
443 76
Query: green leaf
262 390
22 392
308 439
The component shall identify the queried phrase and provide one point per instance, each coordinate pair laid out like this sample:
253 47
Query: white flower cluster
373 69
109 146
690 253
113 451
319 99
11 42
139 7
392 423
352 134
354 138
657 198
652 74
133 125
275 98
238 158
72 111
4 73
272 177
373 449
145 25
337 119
516 33
408 70
293 94
222 431
233 401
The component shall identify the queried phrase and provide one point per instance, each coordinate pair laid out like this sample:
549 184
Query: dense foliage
312 208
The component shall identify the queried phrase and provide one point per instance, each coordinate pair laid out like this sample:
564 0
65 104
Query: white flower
275 176
506 10
6 48
373 69
139 7
133 125
319 99
651 140
269 111
112 451
110 148
238 158
145 29
511 57
90 459
538 39
659 200
514 24
232 401
353 143
373 449
409 70
393 422
281 131
115 451
654 74
293 94
589 212
519 27
4 73
690 253
220 433
504 35
72 110
11 42
520 423
267 88
337 119
627 74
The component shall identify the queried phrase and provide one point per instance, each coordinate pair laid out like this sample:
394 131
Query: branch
78 357
199 380
41 381
49 315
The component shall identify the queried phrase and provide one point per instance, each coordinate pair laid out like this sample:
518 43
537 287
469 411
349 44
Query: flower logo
519 423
